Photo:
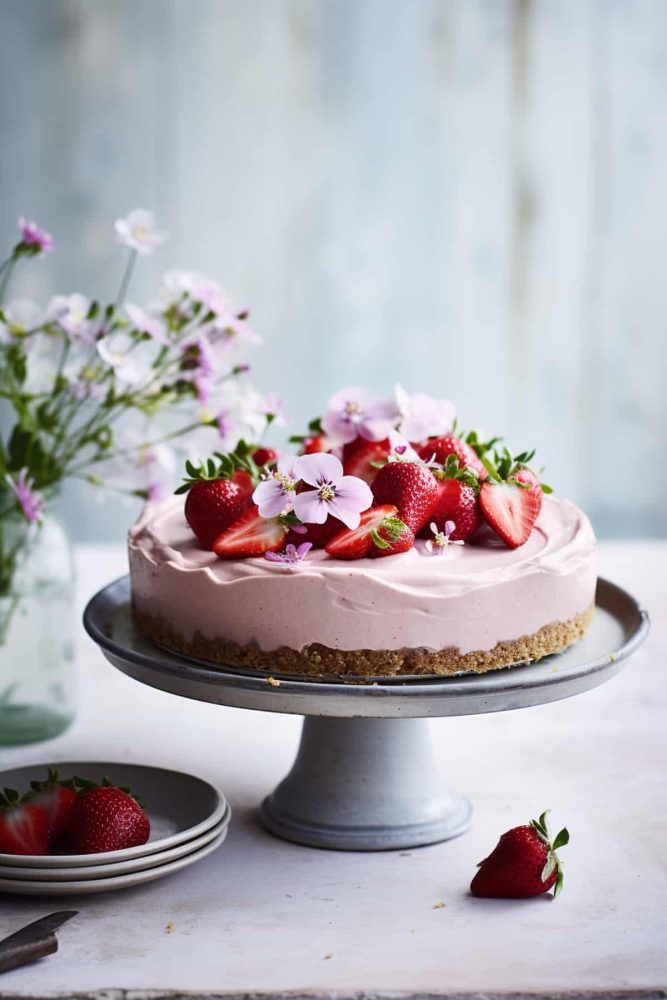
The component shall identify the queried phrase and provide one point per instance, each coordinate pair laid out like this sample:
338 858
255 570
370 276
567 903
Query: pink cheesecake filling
470 598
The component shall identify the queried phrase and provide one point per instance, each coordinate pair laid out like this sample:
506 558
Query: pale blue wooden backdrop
468 195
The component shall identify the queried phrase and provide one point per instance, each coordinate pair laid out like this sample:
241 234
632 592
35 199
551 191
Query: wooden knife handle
12 956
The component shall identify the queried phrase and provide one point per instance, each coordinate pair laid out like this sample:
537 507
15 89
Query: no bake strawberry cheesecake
392 544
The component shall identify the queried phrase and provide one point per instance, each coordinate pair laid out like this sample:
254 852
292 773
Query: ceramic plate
179 806
26 874
87 887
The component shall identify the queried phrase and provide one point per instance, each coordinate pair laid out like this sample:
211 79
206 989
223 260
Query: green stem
125 282
8 268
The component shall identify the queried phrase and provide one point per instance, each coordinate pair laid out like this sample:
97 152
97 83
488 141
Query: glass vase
37 649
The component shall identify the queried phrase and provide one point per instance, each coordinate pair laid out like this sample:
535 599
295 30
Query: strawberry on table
251 535
410 487
107 818
25 827
58 798
379 528
524 863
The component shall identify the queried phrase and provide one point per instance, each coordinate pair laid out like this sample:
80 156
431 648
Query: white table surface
264 915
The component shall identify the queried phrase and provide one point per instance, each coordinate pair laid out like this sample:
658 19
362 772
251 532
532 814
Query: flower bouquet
103 393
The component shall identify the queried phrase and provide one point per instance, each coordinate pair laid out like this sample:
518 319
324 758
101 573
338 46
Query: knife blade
33 941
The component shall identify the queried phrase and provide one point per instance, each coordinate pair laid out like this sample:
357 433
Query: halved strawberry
57 797
456 501
356 543
392 537
526 475
25 828
449 444
410 487
250 535
511 510
359 455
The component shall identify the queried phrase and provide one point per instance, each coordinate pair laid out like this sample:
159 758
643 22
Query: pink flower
422 416
353 412
32 236
401 450
275 494
441 539
274 407
292 555
30 501
344 497
145 323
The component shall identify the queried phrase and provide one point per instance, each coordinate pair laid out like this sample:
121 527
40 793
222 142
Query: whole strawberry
439 450
408 486
524 863
458 502
218 492
107 818
264 456
58 798
25 828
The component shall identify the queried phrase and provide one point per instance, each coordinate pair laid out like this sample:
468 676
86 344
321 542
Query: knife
34 941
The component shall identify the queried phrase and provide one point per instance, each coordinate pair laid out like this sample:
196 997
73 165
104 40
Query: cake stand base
365 785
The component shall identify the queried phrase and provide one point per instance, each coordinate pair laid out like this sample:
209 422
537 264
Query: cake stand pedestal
366 776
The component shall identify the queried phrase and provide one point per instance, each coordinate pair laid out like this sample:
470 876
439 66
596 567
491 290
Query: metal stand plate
365 777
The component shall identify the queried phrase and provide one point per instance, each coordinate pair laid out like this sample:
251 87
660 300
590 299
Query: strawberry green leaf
562 839
549 867
558 887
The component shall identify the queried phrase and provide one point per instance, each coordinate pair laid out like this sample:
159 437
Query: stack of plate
189 820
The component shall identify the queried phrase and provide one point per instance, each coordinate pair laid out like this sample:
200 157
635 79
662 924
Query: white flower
120 352
70 312
137 231
21 316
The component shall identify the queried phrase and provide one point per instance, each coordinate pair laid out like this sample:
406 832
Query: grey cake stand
366 776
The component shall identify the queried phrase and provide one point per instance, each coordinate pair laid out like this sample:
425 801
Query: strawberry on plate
408 486
360 455
58 798
379 529
107 818
524 863
25 827
455 501
250 535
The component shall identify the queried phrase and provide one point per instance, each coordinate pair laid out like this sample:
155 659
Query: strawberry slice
379 526
250 535
359 455
511 510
